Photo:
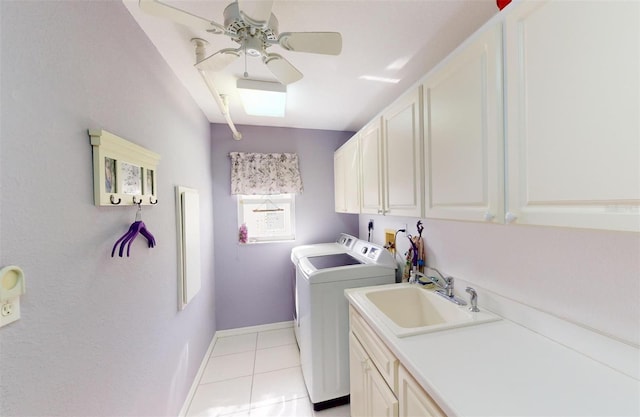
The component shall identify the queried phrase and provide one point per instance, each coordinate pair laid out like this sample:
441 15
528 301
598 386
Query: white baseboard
216 336
254 329
196 380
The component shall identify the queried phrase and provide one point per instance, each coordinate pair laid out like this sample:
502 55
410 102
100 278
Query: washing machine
322 321
343 244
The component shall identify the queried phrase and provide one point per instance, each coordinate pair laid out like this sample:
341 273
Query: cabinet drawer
380 355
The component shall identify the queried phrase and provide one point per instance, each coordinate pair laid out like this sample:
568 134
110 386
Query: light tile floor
256 375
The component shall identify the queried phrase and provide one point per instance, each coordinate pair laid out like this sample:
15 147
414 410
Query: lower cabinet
413 400
379 384
358 367
370 394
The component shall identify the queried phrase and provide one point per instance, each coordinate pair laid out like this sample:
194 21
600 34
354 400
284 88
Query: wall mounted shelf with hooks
124 173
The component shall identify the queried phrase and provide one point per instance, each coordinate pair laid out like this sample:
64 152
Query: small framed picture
109 175
148 183
131 178
123 172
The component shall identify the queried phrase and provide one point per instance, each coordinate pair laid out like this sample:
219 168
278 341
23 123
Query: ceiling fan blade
328 43
159 9
219 60
282 69
257 12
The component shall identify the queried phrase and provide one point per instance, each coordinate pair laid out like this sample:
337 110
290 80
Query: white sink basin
410 309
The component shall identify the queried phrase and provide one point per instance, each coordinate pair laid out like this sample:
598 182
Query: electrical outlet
7 309
406 230
10 311
390 240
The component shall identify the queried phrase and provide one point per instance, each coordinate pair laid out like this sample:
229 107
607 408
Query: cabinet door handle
488 216
510 217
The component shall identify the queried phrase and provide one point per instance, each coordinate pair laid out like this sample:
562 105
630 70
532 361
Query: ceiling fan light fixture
262 98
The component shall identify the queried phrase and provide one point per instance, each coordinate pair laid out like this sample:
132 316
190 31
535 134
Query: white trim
207 355
196 380
284 203
254 329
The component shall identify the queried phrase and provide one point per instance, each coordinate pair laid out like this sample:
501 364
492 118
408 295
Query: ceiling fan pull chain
246 74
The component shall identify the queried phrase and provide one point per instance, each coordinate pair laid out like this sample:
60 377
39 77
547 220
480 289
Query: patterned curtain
265 173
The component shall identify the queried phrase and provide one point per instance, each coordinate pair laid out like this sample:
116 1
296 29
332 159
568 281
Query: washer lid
344 243
332 260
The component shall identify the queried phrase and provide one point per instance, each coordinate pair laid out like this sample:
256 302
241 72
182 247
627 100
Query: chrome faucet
446 289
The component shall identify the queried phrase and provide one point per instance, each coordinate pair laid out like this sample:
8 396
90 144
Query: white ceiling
393 39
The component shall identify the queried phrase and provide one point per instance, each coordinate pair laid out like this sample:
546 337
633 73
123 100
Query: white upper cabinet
533 120
346 165
463 130
573 131
371 168
402 146
338 180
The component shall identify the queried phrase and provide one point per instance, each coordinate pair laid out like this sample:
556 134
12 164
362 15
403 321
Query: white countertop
504 369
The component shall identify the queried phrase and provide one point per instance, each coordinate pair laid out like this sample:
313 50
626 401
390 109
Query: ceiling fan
251 24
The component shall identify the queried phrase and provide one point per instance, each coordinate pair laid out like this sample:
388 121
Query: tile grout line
255 348
254 369
276 370
253 372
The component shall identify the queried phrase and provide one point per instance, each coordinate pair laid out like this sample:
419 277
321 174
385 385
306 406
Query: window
268 218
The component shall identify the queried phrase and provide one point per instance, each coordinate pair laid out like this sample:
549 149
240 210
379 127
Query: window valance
265 173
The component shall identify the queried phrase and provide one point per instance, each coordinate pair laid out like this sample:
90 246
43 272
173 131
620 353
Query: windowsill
266 241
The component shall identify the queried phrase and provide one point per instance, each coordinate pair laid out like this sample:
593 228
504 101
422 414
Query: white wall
588 277
98 335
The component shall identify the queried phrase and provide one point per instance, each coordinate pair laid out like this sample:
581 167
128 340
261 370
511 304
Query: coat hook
136 201
115 202
153 202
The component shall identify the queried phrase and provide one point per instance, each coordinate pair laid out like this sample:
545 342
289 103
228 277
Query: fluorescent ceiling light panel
398 63
380 79
263 98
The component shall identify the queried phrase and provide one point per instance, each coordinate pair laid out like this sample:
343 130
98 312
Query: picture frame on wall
123 173
109 175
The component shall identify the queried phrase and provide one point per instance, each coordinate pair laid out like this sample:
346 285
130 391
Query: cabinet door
413 400
384 360
463 119
339 181
370 168
380 399
402 145
370 394
346 169
573 94
358 363
351 176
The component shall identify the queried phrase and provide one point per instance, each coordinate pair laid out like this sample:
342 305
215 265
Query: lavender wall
98 336
253 282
